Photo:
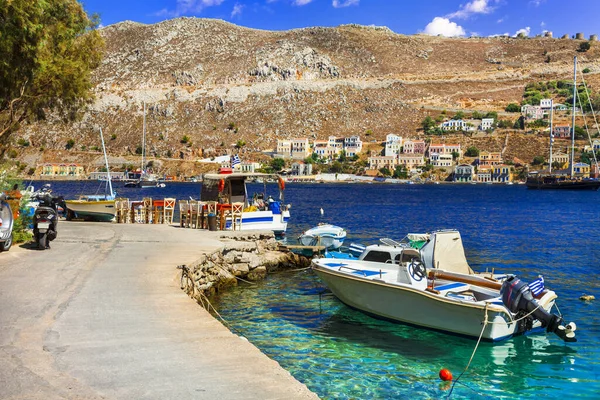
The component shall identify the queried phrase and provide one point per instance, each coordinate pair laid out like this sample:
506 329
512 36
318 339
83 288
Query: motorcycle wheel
42 241
5 246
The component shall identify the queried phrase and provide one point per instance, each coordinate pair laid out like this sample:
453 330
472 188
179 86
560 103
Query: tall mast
572 157
551 135
106 161
144 140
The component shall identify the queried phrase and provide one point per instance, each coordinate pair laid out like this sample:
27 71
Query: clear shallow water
340 353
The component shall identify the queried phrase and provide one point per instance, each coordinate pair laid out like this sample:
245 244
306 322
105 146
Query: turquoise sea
340 353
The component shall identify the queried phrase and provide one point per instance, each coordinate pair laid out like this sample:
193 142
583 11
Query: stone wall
245 256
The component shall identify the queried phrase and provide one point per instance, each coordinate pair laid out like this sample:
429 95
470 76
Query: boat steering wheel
417 269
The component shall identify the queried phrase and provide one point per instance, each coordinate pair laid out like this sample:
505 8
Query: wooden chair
122 211
147 206
184 210
138 212
237 210
194 213
169 210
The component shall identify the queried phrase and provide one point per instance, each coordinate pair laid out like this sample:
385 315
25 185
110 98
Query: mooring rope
485 322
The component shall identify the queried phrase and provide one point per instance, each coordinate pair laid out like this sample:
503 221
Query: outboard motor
517 297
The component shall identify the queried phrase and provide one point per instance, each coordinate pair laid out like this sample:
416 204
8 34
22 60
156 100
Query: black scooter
45 220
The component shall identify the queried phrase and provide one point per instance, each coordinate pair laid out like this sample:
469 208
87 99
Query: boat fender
221 185
281 183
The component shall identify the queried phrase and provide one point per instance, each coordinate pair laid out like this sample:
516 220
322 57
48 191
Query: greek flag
537 286
235 160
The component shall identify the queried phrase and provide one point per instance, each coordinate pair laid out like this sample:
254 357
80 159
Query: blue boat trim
451 286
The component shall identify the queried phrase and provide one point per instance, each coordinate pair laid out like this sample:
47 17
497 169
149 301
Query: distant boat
94 207
541 181
146 180
330 236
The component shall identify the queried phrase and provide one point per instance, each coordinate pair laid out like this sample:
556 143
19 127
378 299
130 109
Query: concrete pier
101 316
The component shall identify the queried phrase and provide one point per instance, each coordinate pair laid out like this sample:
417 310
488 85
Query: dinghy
330 236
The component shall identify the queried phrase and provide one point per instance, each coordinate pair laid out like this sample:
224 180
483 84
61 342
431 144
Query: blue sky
446 17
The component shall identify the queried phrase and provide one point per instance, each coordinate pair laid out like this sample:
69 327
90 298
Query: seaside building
114 175
378 162
562 131
464 173
454 125
249 166
63 169
486 124
582 170
546 104
487 158
393 145
596 145
300 149
441 160
414 147
532 112
411 161
284 148
352 146
501 173
484 173
436 148
300 168
562 159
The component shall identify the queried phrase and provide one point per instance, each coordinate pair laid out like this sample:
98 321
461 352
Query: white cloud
501 20
542 24
473 7
445 27
500 34
537 3
344 3
184 7
525 30
237 10
301 2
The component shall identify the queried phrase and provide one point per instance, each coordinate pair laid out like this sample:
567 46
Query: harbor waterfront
341 353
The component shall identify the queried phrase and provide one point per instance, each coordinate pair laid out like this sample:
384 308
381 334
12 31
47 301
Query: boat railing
392 242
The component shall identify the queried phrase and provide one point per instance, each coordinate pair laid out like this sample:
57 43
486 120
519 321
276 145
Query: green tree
70 144
428 124
459 115
472 151
343 156
277 164
586 71
584 46
401 172
580 133
519 123
477 115
385 171
49 49
538 160
239 144
492 114
455 155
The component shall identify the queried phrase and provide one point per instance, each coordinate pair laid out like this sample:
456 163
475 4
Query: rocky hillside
218 83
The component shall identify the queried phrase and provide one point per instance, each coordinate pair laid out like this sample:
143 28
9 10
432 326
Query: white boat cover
445 251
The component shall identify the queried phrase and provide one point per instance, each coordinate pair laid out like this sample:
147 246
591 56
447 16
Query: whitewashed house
352 146
486 123
393 144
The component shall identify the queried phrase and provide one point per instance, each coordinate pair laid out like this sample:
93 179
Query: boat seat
454 287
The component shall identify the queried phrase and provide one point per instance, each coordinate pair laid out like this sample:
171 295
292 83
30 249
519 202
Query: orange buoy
281 184
221 185
445 374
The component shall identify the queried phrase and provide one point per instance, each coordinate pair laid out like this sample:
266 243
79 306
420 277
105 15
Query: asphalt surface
101 316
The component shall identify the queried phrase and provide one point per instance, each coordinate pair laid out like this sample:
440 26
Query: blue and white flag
537 286
235 160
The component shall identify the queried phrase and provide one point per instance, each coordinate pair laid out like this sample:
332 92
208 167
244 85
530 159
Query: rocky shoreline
246 257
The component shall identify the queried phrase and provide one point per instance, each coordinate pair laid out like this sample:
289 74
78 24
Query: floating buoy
587 297
445 374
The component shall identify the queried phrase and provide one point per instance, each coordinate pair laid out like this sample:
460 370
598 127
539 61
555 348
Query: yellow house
581 170
63 169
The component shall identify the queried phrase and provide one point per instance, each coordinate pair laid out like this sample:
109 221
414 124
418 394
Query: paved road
101 316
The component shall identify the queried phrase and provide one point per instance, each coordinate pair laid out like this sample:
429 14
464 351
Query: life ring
221 185
281 183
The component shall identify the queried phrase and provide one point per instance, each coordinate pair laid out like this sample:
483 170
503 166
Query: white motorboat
434 287
330 236
227 191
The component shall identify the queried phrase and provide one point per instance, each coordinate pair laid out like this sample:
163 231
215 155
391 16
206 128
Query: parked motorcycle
45 220
6 224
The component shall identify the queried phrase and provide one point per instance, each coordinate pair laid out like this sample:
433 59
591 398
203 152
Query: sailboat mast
106 162
551 135
144 140
572 158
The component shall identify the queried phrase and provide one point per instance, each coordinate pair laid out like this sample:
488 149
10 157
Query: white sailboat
95 207
146 180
